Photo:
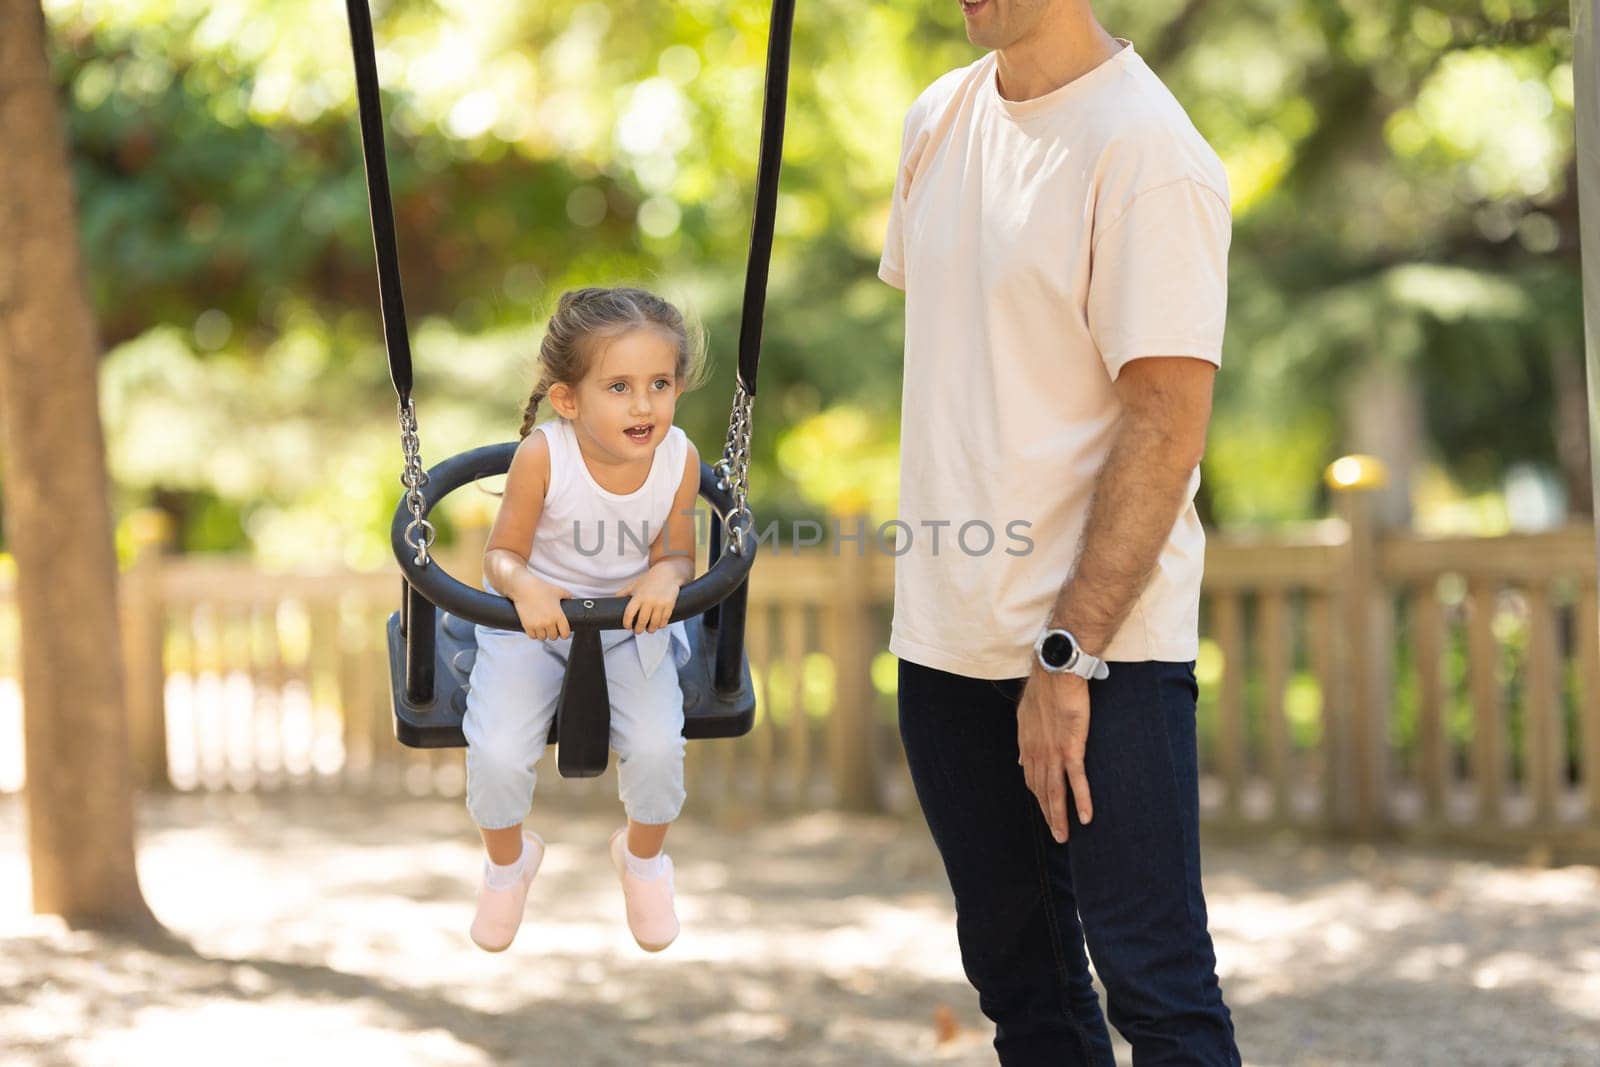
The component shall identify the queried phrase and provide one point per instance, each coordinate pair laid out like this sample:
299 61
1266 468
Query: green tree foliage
1401 174
1403 192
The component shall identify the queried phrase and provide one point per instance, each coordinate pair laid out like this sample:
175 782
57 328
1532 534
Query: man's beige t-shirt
1042 245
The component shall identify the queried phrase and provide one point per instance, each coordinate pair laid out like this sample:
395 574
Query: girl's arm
674 546
505 559
653 596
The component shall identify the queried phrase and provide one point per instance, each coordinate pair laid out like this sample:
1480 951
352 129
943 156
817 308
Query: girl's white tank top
593 541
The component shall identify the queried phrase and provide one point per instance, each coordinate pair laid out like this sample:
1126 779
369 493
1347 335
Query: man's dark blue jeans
1128 883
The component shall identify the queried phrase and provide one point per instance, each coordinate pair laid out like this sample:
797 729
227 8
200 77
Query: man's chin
982 38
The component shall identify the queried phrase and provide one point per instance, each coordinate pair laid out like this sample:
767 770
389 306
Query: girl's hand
539 608
651 599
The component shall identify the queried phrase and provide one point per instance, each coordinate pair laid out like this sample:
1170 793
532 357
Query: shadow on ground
321 929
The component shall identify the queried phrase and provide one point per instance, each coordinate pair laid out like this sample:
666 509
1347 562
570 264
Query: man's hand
1052 732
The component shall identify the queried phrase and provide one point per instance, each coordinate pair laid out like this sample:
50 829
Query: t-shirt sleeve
891 265
1158 281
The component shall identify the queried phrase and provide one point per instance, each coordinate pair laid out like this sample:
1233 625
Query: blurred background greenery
1404 268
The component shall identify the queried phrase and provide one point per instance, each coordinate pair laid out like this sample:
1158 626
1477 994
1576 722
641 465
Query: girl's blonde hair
584 317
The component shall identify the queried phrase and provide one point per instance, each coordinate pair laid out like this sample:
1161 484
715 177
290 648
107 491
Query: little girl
599 501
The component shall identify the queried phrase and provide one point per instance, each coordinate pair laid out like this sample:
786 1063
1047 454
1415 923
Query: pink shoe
651 918
500 910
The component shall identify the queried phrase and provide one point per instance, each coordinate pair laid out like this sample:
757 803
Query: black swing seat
707 712
433 643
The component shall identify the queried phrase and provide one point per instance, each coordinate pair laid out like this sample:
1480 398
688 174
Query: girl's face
625 404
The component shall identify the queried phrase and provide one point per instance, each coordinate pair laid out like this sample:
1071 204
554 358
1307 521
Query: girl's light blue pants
511 701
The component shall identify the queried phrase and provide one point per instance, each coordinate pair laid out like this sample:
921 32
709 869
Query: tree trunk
1586 87
1572 431
58 520
1383 417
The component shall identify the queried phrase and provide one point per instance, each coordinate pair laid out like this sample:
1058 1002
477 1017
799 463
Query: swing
431 639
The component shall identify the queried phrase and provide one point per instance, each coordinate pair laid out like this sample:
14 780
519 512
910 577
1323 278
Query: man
1061 232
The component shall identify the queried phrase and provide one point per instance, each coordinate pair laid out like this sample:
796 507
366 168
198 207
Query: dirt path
332 930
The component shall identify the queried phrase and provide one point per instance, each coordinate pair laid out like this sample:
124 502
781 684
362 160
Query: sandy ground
312 930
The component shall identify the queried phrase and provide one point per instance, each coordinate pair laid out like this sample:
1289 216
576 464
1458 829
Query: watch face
1056 650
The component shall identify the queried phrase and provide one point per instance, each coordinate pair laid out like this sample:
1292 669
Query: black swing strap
392 297
780 33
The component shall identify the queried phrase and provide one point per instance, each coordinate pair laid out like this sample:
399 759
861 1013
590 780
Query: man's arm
1160 437
1166 407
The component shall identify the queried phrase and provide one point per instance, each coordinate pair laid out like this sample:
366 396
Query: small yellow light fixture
1357 472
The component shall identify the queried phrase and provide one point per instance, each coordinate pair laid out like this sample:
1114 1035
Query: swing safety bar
428 586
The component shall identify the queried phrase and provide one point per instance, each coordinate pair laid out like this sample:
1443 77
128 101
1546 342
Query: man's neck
1062 49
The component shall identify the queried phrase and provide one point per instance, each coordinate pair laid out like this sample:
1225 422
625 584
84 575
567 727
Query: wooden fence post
851 752
1366 622
144 628
1227 627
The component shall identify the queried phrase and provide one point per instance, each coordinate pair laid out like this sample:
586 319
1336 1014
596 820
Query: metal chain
733 471
419 533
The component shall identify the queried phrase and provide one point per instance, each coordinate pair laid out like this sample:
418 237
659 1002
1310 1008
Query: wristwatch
1058 652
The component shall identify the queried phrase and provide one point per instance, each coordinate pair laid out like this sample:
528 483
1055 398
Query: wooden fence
1435 688
1351 679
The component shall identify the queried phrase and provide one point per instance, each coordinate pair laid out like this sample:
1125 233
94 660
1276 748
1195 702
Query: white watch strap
1089 667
